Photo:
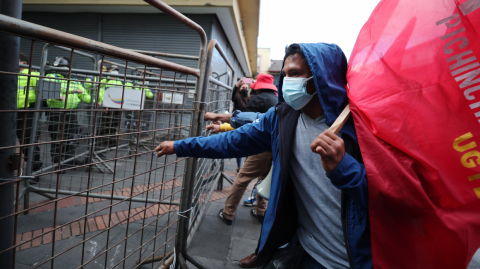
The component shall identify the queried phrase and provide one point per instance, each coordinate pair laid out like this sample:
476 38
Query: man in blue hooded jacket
318 204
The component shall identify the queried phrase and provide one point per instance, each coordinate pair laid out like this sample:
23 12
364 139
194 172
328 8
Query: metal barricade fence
203 174
93 192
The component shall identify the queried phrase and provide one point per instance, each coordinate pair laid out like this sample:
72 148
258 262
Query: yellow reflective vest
91 86
113 83
73 98
148 92
22 88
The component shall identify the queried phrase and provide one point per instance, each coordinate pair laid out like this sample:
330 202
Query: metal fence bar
182 229
189 230
121 65
87 73
81 53
26 29
102 196
169 55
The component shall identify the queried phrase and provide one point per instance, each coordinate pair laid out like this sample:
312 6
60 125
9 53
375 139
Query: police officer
113 69
139 84
108 123
25 119
148 102
89 87
71 95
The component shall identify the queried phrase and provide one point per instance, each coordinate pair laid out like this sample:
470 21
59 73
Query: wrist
224 117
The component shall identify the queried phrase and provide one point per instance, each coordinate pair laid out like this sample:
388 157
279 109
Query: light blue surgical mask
295 92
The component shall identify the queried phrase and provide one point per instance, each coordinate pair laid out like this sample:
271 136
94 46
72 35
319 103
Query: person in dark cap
264 94
64 125
113 69
23 59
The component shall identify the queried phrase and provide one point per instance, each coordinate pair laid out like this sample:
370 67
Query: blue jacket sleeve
351 177
240 118
247 140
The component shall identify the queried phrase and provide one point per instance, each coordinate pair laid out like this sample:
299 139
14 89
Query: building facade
263 60
134 24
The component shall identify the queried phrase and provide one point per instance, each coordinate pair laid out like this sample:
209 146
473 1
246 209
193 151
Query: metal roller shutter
219 65
81 24
155 32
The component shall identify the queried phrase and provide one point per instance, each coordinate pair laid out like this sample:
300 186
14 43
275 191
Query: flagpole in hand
330 146
341 120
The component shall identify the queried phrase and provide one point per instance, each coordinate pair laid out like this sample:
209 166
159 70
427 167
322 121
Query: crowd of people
317 214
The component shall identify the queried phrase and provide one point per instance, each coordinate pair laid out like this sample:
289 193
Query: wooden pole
341 120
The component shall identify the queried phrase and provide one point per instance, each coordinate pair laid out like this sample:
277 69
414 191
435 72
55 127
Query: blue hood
329 68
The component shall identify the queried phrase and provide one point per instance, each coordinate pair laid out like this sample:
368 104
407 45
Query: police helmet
113 67
23 57
61 61
137 72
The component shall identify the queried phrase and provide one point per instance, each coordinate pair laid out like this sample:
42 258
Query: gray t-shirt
318 201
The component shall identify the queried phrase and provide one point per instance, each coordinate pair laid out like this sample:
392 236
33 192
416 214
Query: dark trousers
24 129
107 125
55 125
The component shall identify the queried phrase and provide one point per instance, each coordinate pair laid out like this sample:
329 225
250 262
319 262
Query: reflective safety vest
22 88
148 92
21 96
101 94
114 81
128 85
92 86
73 98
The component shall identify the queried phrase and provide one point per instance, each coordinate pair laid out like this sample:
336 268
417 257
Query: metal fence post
186 200
197 131
9 54
36 117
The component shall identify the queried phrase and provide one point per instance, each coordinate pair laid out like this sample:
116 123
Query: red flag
414 78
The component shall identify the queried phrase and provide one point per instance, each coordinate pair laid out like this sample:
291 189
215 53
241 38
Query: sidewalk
218 245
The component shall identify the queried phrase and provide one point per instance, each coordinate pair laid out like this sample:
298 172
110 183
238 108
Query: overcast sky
283 22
